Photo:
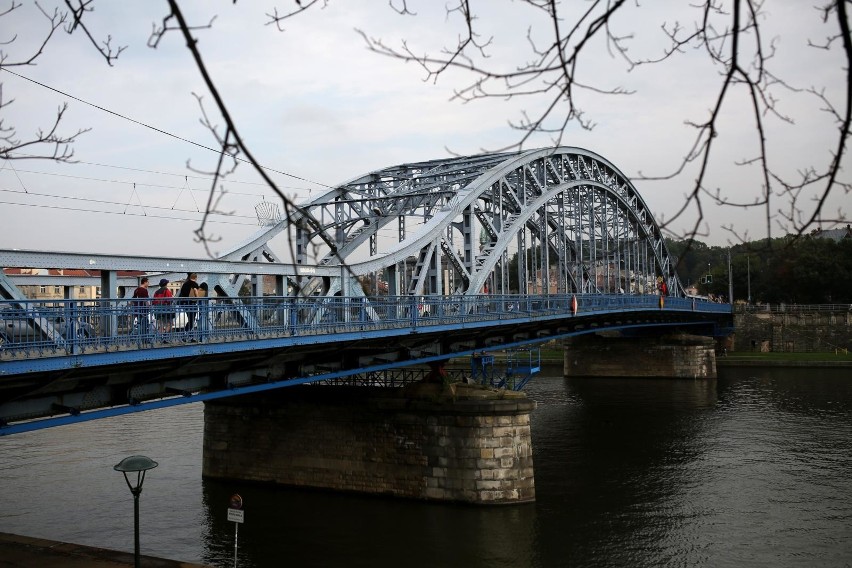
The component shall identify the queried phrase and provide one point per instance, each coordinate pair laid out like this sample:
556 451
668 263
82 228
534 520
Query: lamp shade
135 463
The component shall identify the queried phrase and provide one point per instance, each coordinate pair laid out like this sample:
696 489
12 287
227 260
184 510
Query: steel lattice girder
575 222
576 209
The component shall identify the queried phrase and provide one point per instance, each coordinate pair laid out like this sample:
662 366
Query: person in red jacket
141 308
163 309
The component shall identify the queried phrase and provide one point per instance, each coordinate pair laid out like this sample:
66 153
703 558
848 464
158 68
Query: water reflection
752 469
619 467
315 528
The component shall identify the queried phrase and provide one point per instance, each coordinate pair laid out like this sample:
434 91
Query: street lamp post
748 267
138 465
730 281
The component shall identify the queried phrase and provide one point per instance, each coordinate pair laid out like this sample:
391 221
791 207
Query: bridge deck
42 330
69 357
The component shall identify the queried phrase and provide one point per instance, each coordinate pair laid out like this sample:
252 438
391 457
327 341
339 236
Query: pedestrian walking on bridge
188 293
141 307
164 311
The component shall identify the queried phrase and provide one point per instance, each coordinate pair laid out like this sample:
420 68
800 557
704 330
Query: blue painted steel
520 366
595 231
40 424
25 347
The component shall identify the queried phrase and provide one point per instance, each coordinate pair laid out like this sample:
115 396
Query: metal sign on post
237 516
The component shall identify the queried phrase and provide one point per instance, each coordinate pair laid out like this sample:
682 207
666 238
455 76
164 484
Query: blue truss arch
408 265
553 220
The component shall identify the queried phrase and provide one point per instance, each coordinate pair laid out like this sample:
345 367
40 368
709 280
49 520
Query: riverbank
554 357
25 552
772 359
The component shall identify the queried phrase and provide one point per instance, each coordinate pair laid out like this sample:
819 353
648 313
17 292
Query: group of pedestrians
161 309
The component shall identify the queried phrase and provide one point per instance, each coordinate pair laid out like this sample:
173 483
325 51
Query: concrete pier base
670 356
461 443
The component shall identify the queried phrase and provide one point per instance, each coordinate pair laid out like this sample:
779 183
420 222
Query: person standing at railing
188 291
141 307
163 310
203 310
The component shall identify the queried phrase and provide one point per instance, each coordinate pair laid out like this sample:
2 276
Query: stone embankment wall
793 329
458 443
670 356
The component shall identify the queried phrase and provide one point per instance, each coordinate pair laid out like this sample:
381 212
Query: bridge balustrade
34 329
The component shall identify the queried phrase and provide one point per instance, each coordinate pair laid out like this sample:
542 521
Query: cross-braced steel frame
548 221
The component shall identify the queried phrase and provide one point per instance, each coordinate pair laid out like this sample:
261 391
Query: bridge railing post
71 318
502 302
294 316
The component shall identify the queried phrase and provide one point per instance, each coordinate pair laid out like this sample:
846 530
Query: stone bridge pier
462 443
677 356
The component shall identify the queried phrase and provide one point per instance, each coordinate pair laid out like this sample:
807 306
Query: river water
753 469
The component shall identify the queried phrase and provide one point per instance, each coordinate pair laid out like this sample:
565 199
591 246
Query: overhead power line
159 130
156 172
167 217
104 202
160 186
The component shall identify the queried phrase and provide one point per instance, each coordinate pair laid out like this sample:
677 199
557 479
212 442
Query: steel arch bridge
475 253
561 220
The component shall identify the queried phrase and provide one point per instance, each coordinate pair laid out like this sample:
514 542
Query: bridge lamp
138 465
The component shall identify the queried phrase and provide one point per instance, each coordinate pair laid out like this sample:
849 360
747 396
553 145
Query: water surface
753 469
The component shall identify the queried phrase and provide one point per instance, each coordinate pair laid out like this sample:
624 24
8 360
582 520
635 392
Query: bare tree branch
61 145
553 76
217 190
278 19
104 47
46 144
844 117
731 36
230 142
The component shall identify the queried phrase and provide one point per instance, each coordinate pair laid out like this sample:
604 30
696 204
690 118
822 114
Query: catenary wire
104 202
155 129
142 170
125 214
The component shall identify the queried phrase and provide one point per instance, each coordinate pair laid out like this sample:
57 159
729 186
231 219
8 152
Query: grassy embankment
781 358
556 356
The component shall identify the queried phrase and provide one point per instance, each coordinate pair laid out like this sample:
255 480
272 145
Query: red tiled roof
70 272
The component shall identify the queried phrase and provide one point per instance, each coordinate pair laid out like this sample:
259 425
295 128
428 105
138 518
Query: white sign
236 515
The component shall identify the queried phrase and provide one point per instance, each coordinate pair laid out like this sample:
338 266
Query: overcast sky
314 103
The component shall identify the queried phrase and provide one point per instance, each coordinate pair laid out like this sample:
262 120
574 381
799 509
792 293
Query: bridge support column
678 356
459 443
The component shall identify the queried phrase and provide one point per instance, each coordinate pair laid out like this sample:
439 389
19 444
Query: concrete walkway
27 552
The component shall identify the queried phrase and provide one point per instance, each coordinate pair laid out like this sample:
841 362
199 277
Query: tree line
790 269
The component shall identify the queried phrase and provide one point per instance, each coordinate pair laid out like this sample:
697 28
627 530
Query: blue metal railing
36 329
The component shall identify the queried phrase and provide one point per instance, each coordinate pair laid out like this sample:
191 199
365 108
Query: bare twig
104 47
47 143
731 37
278 19
230 141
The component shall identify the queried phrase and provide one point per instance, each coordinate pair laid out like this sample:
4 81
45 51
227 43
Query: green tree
803 270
